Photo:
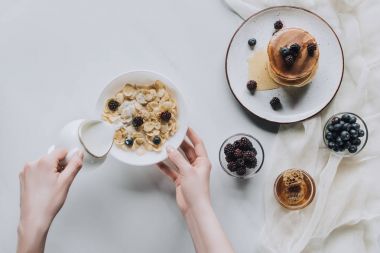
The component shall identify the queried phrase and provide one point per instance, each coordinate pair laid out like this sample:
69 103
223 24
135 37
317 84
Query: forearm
31 238
206 231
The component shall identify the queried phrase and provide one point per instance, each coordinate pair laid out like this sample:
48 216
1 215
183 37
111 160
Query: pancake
291 83
304 67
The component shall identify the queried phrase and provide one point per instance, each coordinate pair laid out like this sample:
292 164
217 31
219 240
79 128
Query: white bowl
145 77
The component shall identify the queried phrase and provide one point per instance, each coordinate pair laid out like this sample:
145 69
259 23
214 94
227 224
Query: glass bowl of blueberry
241 156
345 133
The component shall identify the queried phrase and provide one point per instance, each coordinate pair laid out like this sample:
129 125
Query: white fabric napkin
345 214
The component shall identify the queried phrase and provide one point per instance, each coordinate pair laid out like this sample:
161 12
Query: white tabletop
56 57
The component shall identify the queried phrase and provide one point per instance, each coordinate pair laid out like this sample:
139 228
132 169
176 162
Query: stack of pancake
305 65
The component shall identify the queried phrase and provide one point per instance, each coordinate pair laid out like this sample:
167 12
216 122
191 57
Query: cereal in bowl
146 116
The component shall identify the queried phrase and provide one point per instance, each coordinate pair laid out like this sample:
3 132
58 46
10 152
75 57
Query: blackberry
241 171
278 25
232 166
165 116
230 159
275 103
137 121
156 140
311 47
113 105
252 86
129 142
251 162
289 60
294 49
252 42
236 144
240 162
284 51
245 144
247 155
238 153
229 150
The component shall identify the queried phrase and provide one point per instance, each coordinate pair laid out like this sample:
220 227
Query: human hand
44 185
192 178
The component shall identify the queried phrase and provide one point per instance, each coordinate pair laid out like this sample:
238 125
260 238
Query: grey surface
55 58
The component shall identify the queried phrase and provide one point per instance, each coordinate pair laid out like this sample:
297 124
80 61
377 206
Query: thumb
177 158
72 168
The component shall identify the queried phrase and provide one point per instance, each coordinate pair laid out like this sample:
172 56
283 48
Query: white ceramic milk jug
93 137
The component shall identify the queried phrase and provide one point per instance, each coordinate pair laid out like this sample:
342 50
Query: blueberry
339 141
353 149
330 127
352 119
341 148
356 142
355 126
347 145
337 127
346 117
156 140
346 126
335 120
129 142
252 42
284 51
336 148
331 145
345 135
329 136
361 133
354 133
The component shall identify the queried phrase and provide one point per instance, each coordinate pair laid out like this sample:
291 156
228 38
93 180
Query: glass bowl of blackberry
345 133
241 156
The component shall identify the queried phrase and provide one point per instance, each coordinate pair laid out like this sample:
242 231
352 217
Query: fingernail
169 149
79 153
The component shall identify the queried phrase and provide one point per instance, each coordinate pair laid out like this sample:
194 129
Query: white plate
144 77
298 104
